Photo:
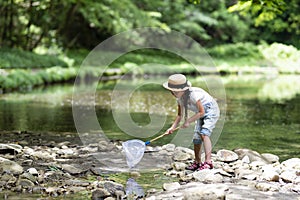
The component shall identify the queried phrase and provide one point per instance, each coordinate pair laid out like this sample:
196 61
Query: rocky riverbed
57 169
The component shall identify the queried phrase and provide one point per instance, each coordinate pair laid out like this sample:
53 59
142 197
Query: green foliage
265 10
15 58
278 20
237 50
26 79
285 57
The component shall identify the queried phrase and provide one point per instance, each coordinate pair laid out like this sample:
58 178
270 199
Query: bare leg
197 152
207 148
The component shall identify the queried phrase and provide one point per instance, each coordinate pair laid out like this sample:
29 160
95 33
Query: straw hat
177 83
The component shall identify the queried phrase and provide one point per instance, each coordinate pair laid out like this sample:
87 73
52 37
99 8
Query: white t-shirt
195 95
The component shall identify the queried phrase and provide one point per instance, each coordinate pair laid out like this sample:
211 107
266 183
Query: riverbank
62 169
21 70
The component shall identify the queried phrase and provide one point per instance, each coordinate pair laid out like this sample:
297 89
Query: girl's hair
186 97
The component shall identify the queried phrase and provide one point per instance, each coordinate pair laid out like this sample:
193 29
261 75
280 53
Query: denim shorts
207 123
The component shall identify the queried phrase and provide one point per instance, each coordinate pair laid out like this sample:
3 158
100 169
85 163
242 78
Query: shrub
15 58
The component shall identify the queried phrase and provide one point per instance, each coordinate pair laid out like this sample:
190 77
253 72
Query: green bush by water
26 79
15 58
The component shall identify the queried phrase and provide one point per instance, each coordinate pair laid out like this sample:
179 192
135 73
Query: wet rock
104 146
25 183
42 155
73 169
100 194
76 182
112 187
37 189
28 176
10 166
33 171
226 156
66 152
10 149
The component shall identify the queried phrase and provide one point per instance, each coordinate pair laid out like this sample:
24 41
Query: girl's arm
176 121
195 116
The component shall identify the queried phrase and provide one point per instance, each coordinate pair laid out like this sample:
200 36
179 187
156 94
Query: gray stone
171 186
10 149
100 194
73 169
226 156
10 166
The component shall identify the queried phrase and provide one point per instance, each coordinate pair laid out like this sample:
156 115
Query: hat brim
165 85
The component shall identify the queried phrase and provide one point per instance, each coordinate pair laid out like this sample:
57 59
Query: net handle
160 136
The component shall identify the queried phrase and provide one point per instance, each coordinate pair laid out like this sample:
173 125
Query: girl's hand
170 131
186 124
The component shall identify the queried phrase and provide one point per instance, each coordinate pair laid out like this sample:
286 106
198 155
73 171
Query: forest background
45 41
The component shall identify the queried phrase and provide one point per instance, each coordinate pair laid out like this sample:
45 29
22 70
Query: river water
262 113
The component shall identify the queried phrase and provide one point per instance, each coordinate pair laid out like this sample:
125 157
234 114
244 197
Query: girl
206 116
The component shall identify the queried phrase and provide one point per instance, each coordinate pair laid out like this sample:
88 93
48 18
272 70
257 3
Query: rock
66 152
179 166
181 156
112 187
73 169
270 175
76 189
33 171
28 176
185 150
214 178
10 149
271 158
9 166
293 163
202 175
171 186
99 194
42 155
135 174
77 183
169 147
266 187
104 146
207 192
253 155
288 176
246 159
25 183
226 156
6 177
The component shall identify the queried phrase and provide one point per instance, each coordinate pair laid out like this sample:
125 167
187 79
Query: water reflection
280 89
133 189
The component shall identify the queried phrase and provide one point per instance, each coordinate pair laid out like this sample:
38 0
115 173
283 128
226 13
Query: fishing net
134 151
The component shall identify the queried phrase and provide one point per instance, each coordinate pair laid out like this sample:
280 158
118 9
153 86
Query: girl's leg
207 147
197 152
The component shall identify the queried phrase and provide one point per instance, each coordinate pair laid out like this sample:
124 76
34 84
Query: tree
277 20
